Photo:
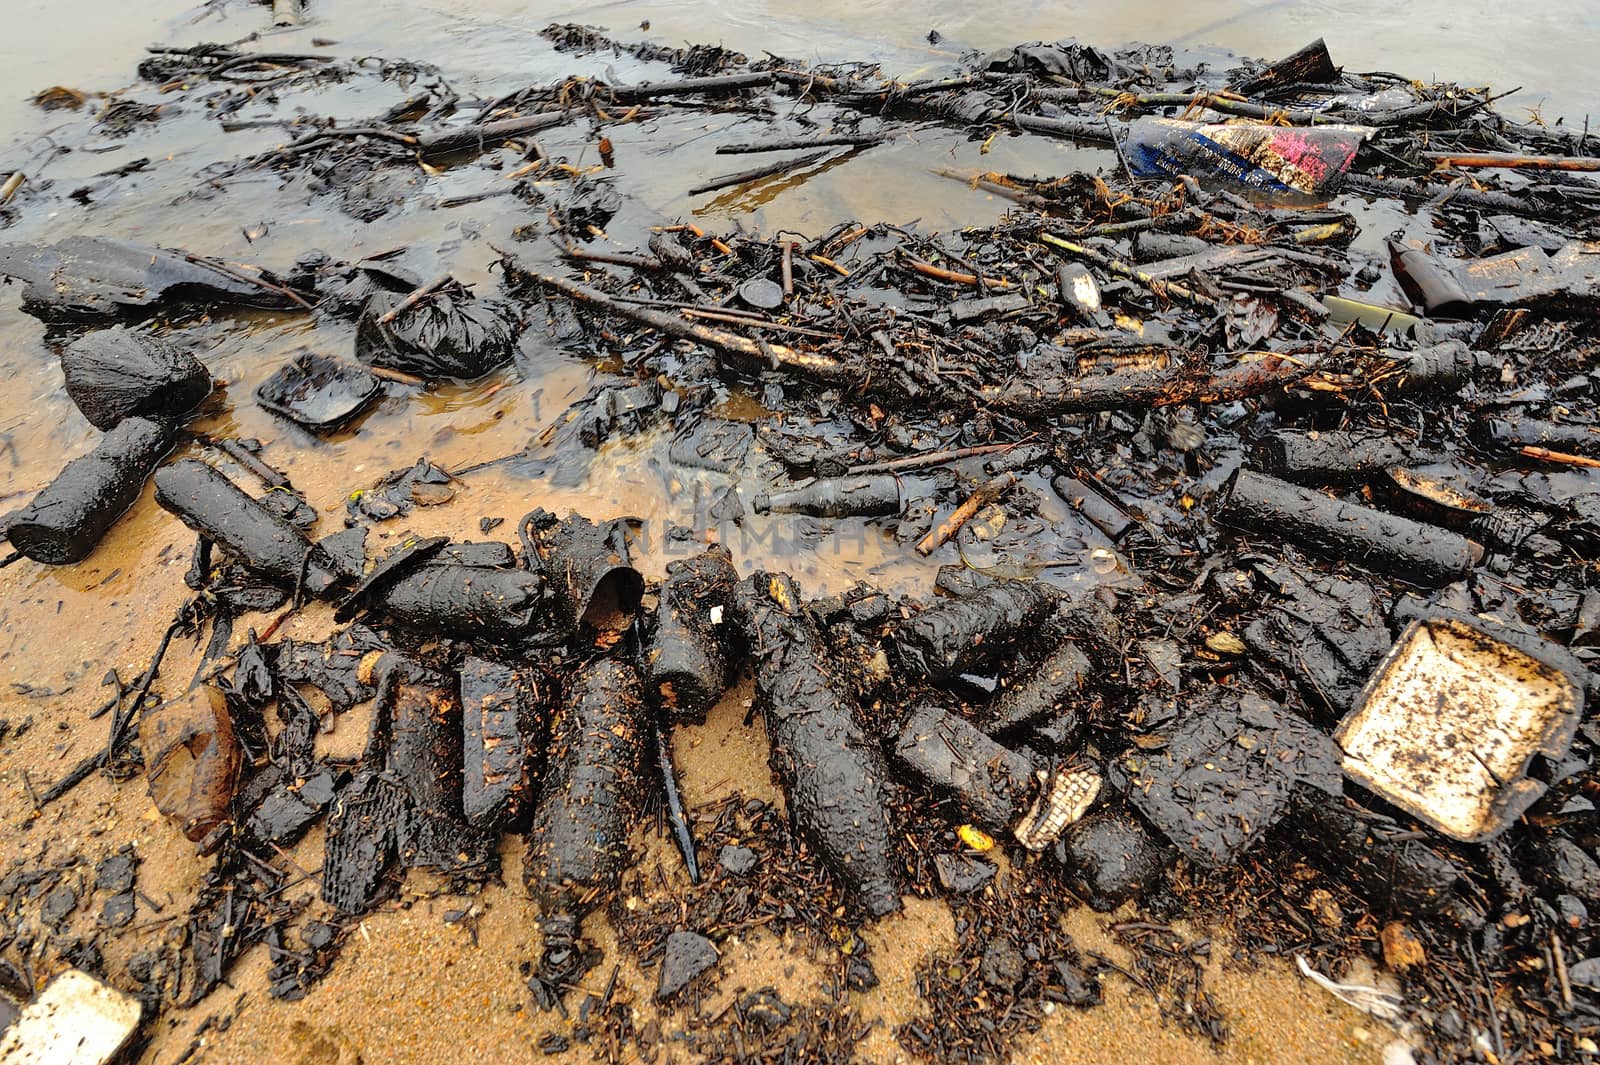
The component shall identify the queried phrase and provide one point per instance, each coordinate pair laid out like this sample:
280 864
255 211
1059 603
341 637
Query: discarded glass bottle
1577 439
1050 695
472 601
1001 790
505 724
217 509
876 495
1332 457
1100 511
832 773
991 784
1439 368
593 792
425 754
963 634
1429 282
1399 547
686 664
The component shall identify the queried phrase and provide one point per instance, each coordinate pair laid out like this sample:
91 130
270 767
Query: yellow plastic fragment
975 838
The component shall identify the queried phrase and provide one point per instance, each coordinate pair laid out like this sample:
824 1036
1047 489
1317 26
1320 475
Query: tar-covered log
965 634
1399 547
505 722
593 792
832 773
686 664
218 510
485 135
70 515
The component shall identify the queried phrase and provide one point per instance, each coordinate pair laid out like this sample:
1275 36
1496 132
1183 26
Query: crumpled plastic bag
1078 62
448 334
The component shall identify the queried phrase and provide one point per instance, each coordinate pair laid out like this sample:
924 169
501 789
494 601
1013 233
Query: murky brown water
411 988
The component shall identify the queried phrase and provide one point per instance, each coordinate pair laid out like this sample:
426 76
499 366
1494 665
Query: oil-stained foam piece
75 1020
1447 726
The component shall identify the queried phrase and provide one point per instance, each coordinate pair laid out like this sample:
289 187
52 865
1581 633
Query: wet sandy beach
433 976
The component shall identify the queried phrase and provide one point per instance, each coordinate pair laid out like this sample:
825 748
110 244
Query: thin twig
942 533
417 295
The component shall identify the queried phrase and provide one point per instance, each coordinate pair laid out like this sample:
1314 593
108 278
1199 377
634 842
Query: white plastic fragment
1062 800
1379 1003
75 1020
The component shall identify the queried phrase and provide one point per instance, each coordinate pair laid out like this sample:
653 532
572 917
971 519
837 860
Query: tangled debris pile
1263 551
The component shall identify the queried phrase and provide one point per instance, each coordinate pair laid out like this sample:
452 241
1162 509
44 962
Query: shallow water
60 628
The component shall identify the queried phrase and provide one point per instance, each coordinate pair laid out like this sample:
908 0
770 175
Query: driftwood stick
930 458
615 258
955 276
248 278
485 134
1164 289
756 173
1544 454
1508 161
788 144
764 353
942 533
252 462
690 86
1058 394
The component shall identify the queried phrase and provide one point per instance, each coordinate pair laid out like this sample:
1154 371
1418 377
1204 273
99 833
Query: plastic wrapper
192 759
1255 155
